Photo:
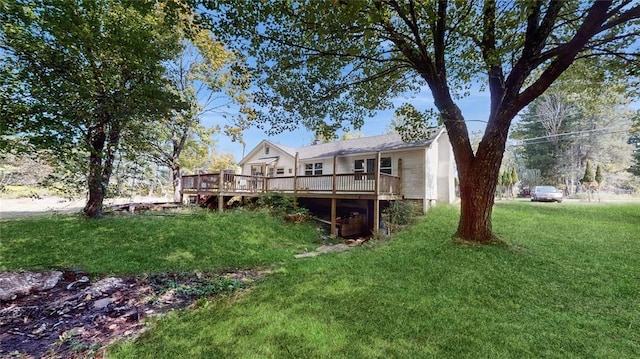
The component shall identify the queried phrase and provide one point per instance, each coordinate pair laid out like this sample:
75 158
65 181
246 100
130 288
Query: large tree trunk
96 139
477 194
177 182
478 176
100 163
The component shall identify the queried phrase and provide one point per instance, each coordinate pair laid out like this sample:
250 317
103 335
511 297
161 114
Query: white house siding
431 177
413 172
285 160
446 187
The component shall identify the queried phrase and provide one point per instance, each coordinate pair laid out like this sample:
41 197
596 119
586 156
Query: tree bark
96 139
177 182
106 133
477 196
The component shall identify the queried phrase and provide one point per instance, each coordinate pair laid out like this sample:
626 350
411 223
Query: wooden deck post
335 162
400 176
220 200
295 181
376 201
333 218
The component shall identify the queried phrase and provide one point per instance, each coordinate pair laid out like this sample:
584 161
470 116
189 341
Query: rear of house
348 183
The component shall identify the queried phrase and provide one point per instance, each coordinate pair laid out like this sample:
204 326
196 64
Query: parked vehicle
546 194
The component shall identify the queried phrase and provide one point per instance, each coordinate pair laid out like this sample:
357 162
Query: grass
568 288
147 244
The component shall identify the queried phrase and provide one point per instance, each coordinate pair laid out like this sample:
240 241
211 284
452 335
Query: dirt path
23 207
80 316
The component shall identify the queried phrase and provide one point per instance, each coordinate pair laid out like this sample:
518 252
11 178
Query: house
351 181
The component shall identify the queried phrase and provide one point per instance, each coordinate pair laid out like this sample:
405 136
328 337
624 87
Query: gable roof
381 143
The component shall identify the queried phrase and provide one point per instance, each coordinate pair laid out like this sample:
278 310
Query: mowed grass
148 244
569 286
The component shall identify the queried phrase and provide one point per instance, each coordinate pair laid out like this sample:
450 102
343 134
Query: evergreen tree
588 174
598 177
635 167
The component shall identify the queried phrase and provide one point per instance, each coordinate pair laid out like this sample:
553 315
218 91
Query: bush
280 205
403 212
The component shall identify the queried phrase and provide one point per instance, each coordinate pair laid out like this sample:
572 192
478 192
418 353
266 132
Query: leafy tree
588 125
90 78
210 79
587 179
410 123
324 63
514 175
635 167
634 140
221 161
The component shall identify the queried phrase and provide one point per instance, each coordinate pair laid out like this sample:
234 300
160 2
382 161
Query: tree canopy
84 76
571 124
324 64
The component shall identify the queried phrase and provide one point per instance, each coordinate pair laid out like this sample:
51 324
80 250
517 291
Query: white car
546 194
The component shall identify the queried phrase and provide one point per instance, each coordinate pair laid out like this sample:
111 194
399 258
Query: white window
368 166
385 165
313 169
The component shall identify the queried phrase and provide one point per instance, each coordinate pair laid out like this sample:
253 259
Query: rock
340 247
83 279
105 285
13 285
102 303
306 255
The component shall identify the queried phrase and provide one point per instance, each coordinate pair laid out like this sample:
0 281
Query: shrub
403 212
280 205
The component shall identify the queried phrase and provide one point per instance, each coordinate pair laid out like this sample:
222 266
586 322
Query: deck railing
332 183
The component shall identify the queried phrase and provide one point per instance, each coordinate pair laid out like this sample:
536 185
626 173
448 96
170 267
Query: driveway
24 207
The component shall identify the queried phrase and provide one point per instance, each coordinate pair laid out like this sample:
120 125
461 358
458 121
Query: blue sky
474 107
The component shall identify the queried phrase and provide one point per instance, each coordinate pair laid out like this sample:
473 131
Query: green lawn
569 287
147 244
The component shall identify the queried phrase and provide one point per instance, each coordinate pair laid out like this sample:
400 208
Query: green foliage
413 125
514 176
279 204
332 64
90 79
588 174
634 140
599 176
574 123
201 286
403 212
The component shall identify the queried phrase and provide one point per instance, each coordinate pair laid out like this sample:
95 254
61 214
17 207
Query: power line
543 139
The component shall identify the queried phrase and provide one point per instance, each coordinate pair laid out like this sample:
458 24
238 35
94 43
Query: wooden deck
348 185
362 186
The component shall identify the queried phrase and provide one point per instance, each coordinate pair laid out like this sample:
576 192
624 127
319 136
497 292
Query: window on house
256 170
311 169
358 167
266 150
270 172
364 166
369 166
385 165
280 171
